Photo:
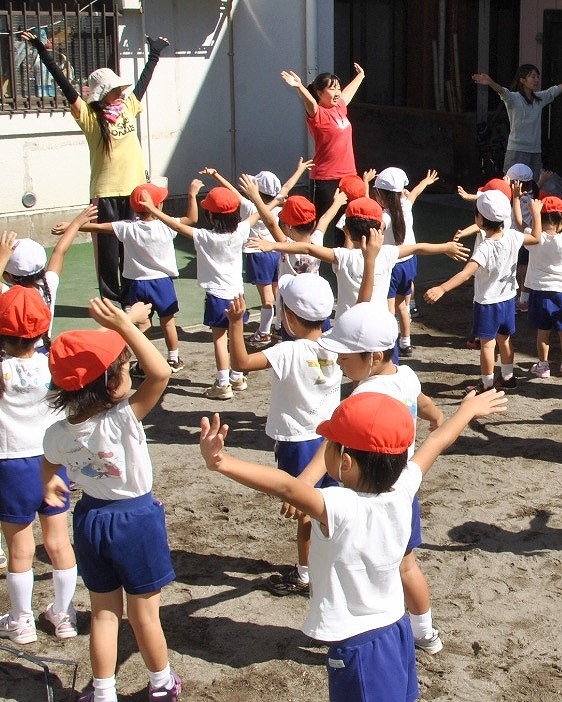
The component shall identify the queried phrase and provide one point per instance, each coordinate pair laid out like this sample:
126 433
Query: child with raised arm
359 534
305 388
493 264
103 445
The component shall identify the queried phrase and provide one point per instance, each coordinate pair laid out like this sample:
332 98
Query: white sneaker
239 385
219 392
64 623
20 631
541 370
430 643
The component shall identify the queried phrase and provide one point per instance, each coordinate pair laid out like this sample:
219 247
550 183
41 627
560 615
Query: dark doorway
552 75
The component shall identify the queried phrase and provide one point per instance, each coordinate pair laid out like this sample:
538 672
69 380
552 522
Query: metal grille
81 35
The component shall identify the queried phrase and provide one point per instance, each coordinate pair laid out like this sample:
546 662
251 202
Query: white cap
307 295
103 81
393 179
28 258
268 183
366 326
519 171
493 205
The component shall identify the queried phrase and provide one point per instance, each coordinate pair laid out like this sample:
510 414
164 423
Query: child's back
149 250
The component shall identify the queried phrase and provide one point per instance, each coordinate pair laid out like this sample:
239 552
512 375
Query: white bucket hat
393 179
28 258
103 81
268 183
519 171
366 326
307 295
493 205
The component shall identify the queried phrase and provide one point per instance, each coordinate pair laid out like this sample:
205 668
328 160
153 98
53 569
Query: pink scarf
113 111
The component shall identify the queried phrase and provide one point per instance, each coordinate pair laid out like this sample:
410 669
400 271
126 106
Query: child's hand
85 217
369 175
139 312
434 294
340 198
436 422
260 244
457 251
291 78
544 176
236 310
430 178
486 403
60 228
195 186
536 206
147 202
517 188
462 192
371 247
290 512
207 170
211 441
457 235
55 492
303 165
107 315
7 240
250 187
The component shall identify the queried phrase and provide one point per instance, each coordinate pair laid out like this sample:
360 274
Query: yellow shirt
119 173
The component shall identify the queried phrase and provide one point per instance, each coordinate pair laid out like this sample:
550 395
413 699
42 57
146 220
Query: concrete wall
531 21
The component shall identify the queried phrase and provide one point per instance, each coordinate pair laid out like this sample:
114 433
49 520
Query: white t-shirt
25 414
355 581
495 281
388 233
293 264
219 260
259 230
525 119
305 389
106 455
403 385
544 271
149 249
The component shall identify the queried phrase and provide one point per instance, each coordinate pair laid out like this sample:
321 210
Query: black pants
322 195
108 250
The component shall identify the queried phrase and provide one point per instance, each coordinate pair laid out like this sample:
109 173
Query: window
81 35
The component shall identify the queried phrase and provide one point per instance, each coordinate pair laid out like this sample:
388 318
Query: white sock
487 380
20 590
266 318
104 689
303 573
404 342
524 297
507 371
162 678
422 624
235 376
173 355
64 583
223 378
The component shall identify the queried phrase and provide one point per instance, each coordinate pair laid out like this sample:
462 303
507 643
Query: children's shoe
503 384
541 370
64 623
260 339
86 696
136 371
473 343
479 388
21 631
3 559
288 584
431 643
239 385
405 351
161 694
219 392
176 365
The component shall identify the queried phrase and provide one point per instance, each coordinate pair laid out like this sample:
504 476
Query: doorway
552 75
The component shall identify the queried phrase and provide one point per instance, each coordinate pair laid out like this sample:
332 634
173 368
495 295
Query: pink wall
530 50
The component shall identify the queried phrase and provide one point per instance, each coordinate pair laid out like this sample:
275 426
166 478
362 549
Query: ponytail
105 134
391 201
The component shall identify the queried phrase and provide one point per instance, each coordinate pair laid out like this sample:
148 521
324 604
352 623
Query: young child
102 442
493 264
398 224
364 339
305 388
24 417
544 280
219 272
359 533
150 263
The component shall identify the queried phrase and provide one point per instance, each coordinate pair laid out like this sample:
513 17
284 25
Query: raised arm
221 180
7 240
351 88
290 183
293 81
484 79
436 293
192 214
250 187
172 222
428 410
340 198
156 46
370 250
240 359
469 197
536 230
56 261
467 231
429 179
453 249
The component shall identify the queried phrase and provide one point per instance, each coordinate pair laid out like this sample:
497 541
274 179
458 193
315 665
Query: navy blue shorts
214 315
416 535
402 277
261 267
493 319
545 310
21 490
294 456
122 543
158 291
376 666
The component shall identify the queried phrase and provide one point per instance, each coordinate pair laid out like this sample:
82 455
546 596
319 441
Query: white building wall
216 99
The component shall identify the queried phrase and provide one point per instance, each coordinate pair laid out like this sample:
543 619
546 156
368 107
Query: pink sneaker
20 631
541 370
65 624
161 694
86 696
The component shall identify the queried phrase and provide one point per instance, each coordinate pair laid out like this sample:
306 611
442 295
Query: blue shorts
376 666
158 291
261 267
416 535
493 319
402 277
122 543
21 490
294 456
214 315
545 310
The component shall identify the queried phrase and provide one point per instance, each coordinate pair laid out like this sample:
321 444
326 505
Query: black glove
156 45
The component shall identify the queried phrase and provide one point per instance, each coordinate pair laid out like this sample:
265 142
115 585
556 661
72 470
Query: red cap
551 203
364 208
77 358
221 201
497 184
370 421
297 210
353 186
157 194
23 313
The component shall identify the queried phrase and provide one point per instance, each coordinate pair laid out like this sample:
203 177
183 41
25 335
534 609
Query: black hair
94 396
379 471
359 226
488 224
304 229
391 201
553 218
387 354
267 198
522 72
224 223
529 186
20 343
30 280
321 82
105 133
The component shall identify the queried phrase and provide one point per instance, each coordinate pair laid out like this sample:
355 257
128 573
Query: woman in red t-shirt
326 117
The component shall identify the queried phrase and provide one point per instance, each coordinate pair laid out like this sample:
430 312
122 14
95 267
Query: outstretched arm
221 180
436 293
351 88
429 179
148 204
293 81
156 46
290 183
453 249
536 231
484 79
340 198
56 260
192 214
467 231
250 187
370 250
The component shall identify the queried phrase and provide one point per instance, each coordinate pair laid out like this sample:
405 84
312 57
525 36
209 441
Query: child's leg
543 344
487 361
403 308
3 558
222 357
267 312
19 580
304 529
143 612
61 554
107 612
170 331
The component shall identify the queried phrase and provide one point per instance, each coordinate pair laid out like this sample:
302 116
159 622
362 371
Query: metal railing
82 37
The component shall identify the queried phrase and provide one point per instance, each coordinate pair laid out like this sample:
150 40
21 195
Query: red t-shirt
331 131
